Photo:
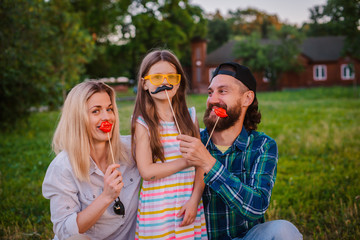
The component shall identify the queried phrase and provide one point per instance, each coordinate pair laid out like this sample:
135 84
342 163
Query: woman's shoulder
59 175
130 167
60 164
61 159
126 141
126 146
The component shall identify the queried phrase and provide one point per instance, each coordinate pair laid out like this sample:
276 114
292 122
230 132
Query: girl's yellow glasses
158 79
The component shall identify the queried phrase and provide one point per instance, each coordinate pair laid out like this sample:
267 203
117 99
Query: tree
24 63
72 45
104 20
247 21
237 24
272 56
338 17
168 24
43 51
218 31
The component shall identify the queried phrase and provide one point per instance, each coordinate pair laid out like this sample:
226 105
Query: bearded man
239 162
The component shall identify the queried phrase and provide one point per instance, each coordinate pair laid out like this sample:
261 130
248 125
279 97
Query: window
320 72
267 75
347 72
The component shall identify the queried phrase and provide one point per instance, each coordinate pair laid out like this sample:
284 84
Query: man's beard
223 123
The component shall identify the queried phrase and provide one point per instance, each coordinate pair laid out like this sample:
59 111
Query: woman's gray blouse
68 196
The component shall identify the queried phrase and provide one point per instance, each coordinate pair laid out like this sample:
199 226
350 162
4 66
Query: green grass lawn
317 186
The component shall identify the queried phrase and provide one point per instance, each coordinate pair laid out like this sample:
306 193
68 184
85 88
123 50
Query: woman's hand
112 187
112 182
189 211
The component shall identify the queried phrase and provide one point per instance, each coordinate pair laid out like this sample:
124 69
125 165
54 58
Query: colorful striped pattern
161 200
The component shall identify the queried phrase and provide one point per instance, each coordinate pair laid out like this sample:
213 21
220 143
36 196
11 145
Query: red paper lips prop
105 126
220 112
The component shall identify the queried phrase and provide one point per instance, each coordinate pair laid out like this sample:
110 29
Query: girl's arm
199 183
190 208
148 170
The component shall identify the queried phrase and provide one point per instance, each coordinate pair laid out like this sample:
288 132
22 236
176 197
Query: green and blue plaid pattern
238 188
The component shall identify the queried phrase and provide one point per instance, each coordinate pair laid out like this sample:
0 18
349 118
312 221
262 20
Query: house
321 57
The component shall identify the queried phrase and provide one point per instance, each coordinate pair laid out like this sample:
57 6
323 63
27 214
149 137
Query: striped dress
162 199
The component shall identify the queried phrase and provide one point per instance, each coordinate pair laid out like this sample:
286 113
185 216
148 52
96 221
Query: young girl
82 183
170 205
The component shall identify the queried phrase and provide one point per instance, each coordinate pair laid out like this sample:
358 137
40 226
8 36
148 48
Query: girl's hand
112 182
189 211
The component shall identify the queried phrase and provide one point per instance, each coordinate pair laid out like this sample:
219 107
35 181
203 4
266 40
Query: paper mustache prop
162 88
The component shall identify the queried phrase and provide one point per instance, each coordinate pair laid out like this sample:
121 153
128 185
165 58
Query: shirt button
67 208
131 180
94 196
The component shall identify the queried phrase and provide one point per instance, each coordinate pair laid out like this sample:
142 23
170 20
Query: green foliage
272 56
104 20
49 46
218 33
43 51
239 23
250 20
337 18
100 18
73 45
317 182
24 60
168 24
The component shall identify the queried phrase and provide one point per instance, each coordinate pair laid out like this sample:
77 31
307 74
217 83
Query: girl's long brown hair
145 106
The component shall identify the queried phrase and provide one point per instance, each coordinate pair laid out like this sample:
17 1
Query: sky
290 11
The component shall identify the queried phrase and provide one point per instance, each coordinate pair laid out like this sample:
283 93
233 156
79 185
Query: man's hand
194 151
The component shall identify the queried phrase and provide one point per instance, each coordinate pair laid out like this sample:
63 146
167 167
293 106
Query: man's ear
248 98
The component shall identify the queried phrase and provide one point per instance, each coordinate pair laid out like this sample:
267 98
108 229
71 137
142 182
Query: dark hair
252 116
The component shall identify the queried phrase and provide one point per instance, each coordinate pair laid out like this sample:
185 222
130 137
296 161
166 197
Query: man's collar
240 141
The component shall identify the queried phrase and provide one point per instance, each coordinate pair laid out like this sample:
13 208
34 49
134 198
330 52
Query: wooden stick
212 131
112 154
172 110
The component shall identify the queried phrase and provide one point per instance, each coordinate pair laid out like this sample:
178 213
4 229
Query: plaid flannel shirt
238 188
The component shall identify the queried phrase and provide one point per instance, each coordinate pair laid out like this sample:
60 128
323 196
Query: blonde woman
90 196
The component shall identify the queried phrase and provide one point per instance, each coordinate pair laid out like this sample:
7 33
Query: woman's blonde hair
145 105
73 131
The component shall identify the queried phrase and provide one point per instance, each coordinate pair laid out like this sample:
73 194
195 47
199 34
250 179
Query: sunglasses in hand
119 208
